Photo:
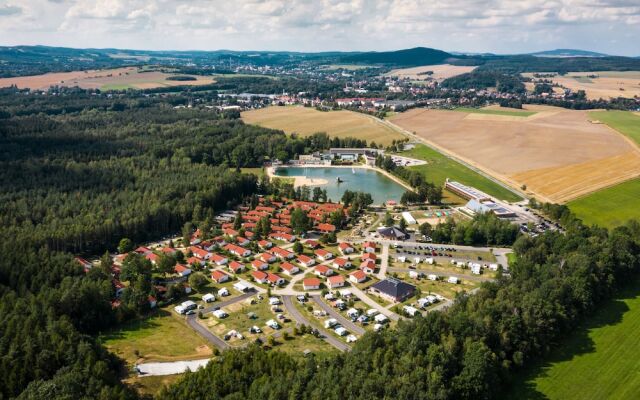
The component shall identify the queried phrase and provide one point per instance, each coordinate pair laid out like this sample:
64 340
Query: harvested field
110 79
600 84
558 154
440 72
306 121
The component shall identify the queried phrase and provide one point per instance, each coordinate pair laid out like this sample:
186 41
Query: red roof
324 270
304 259
322 253
335 279
218 275
326 227
311 282
259 275
345 246
369 256
180 268
288 267
358 274
234 266
273 278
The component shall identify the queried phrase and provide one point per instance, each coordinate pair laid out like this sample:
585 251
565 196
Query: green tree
125 246
298 248
198 281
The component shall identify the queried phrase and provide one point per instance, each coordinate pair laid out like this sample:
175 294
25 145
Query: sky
501 26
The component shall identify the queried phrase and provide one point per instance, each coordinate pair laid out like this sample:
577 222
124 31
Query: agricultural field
440 167
440 72
109 79
612 206
598 361
306 121
496 111
599 84
557 154
161 336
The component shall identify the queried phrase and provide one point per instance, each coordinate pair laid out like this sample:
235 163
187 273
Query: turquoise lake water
379 186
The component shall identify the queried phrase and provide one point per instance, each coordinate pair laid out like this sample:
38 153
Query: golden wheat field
599 84
306 121
558 154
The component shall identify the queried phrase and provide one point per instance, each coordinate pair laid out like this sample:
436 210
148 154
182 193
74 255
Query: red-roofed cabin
219 276
326 228
311 284
323 270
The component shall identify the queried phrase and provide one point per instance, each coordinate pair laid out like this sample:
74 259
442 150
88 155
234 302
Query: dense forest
484 80
79 171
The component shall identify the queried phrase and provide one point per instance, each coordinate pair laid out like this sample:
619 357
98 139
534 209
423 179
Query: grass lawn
440 167
256 171
117 86
511 258
598 361
161 336
509 113
609 207
306 121
150 385
624 122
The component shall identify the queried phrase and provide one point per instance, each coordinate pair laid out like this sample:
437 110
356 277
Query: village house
357 276
305 261
153 257
237 250
289 268
259 265
219 276
282 253
267 257
275 280
285 237
182 270
368 267
202 254
218 259
369 247
341 263
393 289
335 281
195 261
259 276
311 284
236 267
345 248
323 270
326 228
265 244
323 254
312 244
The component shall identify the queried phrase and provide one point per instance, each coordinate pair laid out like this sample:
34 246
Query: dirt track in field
558 154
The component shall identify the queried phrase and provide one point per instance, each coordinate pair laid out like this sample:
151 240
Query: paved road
475 278
384 262
194 323
373 304
302 320
350 326
170 368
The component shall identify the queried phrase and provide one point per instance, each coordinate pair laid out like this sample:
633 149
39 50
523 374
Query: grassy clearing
495 112
609 207
150 385
440 167
161 336
598 361
306 121
624 122
117 86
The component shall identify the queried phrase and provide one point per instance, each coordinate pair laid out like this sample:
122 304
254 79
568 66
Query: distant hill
568 53
402 58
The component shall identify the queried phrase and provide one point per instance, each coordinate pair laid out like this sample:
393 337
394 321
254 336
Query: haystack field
306 121
557 153
119 78
600 84
440 72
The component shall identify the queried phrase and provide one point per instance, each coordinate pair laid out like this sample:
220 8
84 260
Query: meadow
306 121
598 361
160 336
440 167
492 111
612 206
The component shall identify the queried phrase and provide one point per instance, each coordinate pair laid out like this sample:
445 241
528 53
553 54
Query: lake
379 186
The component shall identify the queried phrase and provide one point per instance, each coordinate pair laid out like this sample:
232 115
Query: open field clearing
439 167
609 207
440 72
306 121
495 111
159 337
601 84
558 154
598 361
111 79
625 122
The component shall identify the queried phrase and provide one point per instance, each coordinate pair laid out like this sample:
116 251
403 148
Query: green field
598 361
509 113
440 167
624 122
612 206
116 86
161 336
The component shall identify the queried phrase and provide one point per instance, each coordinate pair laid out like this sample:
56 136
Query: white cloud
316 25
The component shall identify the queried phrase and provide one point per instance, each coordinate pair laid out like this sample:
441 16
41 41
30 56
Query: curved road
302 320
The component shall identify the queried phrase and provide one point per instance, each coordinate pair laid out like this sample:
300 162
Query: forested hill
401 58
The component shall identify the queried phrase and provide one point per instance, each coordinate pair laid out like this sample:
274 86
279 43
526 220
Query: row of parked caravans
476 268
417 260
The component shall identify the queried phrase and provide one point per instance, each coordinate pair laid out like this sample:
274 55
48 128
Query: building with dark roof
393 290
391 232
